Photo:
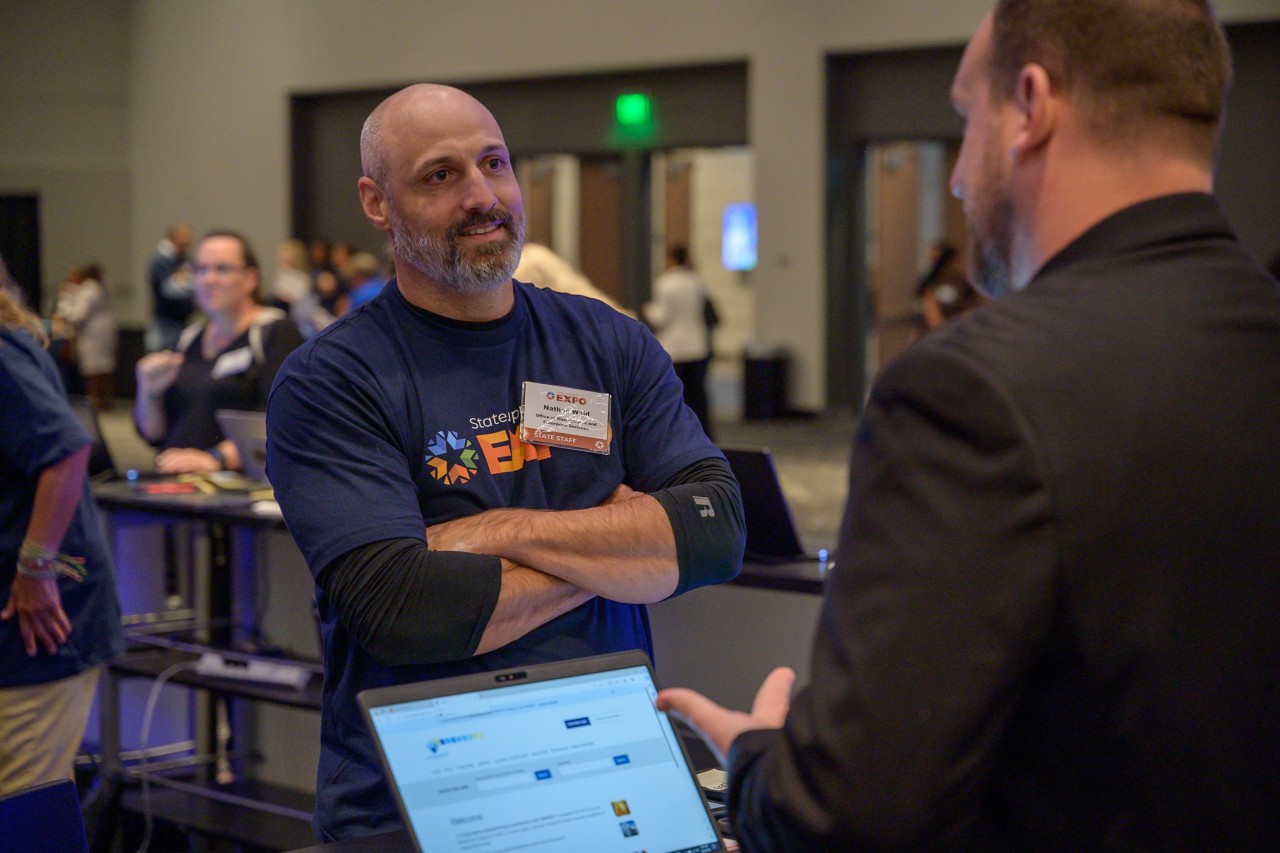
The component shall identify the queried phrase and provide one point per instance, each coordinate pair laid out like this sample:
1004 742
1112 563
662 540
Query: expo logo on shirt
452 459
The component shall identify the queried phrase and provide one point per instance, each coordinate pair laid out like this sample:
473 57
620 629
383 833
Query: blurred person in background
680 316
330 295
59 610
945 291
318 255
292 280
226 361
83 315
328 289
172 290
364 278
341 254
541 266
326 301
11 287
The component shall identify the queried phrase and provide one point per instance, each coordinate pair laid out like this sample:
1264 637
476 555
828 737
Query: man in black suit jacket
1055 620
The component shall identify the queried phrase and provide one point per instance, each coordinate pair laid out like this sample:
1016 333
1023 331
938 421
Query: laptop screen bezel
399 694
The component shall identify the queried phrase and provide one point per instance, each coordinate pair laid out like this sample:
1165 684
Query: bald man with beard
441 541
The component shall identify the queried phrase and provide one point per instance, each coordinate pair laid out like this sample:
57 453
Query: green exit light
633 111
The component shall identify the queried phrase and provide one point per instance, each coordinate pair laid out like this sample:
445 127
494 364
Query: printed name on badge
565 417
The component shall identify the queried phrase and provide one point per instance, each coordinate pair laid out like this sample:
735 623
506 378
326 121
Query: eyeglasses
216 269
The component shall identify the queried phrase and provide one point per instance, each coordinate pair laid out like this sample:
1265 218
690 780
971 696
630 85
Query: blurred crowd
312 284
220 327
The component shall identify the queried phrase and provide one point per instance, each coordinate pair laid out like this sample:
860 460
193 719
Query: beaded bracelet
40 563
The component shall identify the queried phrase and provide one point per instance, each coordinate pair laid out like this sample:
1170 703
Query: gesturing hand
719 726
157 371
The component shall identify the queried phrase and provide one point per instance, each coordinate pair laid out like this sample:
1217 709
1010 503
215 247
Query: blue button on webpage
542 774
621 759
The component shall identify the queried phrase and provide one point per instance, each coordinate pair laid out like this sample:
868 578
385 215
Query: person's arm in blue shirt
36 602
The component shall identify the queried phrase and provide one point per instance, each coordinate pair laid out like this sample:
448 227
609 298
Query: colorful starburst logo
451 459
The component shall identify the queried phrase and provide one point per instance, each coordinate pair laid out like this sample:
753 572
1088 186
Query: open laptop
771 531
102 465
248 432
570 755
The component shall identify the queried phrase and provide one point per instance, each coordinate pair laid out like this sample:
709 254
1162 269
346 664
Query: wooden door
537 186
600 225
898 226
679 190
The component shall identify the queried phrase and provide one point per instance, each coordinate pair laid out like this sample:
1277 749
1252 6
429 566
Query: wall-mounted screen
738 236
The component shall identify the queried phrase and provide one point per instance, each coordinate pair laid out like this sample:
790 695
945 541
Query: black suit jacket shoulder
1053 620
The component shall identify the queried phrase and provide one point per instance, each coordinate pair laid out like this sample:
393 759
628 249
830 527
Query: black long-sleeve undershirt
406 604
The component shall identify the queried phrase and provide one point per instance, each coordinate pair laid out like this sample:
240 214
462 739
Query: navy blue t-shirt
38 429
393 419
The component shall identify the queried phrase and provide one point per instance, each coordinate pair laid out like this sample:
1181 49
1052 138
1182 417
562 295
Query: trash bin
764 380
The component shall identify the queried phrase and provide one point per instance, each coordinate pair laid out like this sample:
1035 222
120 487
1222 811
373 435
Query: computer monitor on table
248 432
771 531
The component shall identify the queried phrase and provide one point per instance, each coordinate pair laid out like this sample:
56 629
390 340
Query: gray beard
993 252
438 257
991 271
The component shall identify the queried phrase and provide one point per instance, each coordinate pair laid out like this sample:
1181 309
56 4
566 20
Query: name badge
232 363
565 417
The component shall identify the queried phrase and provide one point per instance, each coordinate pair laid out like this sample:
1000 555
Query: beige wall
222 157
247 56
127 114
64 129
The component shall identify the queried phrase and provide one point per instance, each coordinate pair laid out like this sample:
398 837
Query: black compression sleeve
405 604
705 508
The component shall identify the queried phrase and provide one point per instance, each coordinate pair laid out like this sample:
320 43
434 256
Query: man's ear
1037 106
374 203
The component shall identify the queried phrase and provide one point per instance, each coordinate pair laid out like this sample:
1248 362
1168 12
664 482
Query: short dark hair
1126 63
680 254
249 258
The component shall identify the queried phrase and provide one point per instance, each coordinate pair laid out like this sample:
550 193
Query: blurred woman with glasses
226 360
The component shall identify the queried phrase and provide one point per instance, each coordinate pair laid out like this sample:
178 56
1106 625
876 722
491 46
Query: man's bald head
438 179
179 234
412 105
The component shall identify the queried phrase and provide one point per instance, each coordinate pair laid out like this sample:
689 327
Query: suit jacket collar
1170 218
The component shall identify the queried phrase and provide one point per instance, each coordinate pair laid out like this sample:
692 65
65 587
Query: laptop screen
576 762
248 432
